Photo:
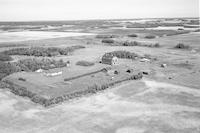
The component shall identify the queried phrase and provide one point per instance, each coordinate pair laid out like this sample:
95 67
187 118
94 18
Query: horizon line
96 19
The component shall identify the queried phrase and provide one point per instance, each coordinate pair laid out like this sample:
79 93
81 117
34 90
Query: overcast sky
26 10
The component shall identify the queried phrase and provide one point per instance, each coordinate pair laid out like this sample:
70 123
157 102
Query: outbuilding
109 59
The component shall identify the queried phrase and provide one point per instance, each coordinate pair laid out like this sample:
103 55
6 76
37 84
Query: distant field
165 100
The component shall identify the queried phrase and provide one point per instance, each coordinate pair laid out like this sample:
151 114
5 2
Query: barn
109 59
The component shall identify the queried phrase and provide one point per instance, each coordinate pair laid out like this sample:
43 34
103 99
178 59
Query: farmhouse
109 59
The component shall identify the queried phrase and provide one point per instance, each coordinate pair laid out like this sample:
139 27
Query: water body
35 35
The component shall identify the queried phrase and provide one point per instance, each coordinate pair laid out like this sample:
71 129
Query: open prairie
166 99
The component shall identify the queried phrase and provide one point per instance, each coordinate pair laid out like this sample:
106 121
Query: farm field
106 98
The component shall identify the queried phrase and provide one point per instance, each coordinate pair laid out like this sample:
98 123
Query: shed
53 74
109 59
39 70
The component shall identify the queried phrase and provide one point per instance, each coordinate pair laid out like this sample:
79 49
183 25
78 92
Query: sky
35 10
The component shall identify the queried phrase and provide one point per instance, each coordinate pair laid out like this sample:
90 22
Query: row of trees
150 36
42 51
136 43
35 64
122 54
5 57
7 69
145 25
29 65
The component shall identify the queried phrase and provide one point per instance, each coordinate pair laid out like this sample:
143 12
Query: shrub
21 79
107 41
150 36
180 29
181 46
156 45
84 63
132 35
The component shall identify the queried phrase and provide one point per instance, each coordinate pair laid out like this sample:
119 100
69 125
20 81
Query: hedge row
35 64
42 51
136 43
7 69
29 65
22 91
122 54
108 40
132 35
139 25
5 57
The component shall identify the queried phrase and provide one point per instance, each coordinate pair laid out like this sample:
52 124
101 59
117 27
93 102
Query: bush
156 45
21 79
131 43
132 35
5 57
181 46
180 29
107 41
84 63
150 36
